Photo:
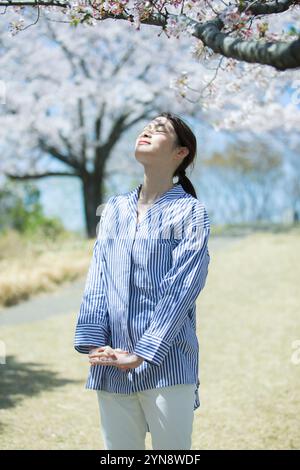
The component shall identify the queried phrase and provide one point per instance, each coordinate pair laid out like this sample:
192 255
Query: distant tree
250 176
21 210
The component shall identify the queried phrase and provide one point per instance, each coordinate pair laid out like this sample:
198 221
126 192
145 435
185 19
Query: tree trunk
93 195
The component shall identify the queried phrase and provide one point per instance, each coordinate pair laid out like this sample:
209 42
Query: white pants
169 411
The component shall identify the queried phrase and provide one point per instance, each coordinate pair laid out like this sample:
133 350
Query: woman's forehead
163 121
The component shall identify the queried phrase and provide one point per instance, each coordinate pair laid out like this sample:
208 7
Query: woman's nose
146 134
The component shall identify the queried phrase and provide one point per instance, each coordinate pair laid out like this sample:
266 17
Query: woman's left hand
119 358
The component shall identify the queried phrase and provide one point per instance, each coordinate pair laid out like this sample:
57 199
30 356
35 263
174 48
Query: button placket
131 240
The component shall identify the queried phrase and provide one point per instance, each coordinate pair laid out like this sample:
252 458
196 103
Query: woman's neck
148 195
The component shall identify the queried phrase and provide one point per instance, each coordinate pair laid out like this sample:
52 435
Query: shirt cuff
152 349
88 335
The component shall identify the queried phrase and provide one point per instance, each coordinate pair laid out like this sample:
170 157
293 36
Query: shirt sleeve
92 327
179 288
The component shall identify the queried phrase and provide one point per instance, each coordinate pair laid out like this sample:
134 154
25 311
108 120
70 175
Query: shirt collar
175 192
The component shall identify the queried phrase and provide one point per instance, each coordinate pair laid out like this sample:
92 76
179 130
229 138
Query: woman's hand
114 357
104 354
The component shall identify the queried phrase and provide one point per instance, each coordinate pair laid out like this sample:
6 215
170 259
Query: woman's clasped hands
107 356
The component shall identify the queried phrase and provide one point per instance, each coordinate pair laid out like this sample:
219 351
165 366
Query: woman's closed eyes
161 131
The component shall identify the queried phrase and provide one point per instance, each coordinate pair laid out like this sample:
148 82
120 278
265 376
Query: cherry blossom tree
72 99
233 64
257 41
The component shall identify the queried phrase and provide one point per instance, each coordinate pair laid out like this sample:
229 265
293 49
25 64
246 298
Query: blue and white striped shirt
141 291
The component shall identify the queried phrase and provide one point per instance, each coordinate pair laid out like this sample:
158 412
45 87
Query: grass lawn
32 265
248 318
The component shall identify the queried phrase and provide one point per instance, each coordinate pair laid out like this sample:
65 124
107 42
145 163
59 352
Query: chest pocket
151 260
159 260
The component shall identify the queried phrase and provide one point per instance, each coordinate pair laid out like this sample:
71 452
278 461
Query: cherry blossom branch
40 175
278 54
275 6
33 3
281 55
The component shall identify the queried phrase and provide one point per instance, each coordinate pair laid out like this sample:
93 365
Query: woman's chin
142 157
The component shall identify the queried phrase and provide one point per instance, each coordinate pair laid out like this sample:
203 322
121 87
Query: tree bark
92 196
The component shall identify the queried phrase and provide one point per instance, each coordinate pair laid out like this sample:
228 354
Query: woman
137 318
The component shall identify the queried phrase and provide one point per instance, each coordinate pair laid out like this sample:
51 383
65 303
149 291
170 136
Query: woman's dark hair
185 138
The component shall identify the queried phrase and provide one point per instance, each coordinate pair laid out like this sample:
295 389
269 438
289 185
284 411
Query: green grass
237 229
247 319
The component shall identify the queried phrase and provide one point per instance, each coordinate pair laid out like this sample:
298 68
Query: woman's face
156 143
